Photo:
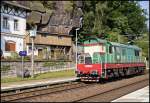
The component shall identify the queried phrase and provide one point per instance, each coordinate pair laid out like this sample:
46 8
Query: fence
14 69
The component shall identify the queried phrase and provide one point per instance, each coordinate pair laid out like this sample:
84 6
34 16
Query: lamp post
32 35
76 47
32 60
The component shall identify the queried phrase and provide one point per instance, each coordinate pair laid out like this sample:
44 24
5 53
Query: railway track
39 92
52 93
109 95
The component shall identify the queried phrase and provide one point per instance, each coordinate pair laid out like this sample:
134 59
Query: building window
15 25
59 37
5 23
136 53
10 46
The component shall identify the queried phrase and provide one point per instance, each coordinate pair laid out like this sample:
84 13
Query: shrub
14 55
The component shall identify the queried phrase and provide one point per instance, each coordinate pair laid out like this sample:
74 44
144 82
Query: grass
58 74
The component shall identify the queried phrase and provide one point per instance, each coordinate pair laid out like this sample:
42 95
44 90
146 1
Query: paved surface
141 95
34 83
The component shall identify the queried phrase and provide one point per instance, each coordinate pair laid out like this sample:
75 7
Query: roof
94 40
49 33
97 40
17 5
126 46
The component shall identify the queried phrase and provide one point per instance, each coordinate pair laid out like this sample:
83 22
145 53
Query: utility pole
32 62
76 47
32 35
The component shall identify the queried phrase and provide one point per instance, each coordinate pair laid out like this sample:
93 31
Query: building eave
12 35
17 5
49 33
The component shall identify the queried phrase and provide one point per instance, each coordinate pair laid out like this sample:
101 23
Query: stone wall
39 67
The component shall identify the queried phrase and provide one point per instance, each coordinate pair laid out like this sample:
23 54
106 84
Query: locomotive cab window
88 60
136 53
110 49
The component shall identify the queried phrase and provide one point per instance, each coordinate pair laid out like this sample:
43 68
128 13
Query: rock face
64 16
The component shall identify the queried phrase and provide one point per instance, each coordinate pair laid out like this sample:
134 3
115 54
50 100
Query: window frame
5 22
16 25
137 53
110 49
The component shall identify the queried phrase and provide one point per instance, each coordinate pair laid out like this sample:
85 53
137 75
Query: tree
143 42
121 17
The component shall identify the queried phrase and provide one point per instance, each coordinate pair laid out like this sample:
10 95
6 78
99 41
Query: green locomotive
104 59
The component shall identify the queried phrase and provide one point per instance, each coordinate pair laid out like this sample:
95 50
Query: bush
27 58
14 55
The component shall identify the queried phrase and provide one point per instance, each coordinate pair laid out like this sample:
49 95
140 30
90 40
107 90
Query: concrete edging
36 84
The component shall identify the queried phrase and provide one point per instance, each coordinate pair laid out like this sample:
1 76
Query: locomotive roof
94 40
98 40
126 46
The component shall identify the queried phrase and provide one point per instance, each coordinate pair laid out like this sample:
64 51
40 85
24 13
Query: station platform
141 95
34 83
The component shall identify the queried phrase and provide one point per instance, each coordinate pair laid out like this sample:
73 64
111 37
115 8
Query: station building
54 34
13 27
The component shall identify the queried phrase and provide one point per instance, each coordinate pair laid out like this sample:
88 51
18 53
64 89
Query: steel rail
108 91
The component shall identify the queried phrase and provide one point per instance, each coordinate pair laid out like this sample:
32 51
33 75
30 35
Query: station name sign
23 53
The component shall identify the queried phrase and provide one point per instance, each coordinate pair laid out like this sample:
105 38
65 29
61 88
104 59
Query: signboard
32 33
23 53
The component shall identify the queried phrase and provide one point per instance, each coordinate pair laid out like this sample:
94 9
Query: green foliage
120 17
14 55
143 43
27 58
113 36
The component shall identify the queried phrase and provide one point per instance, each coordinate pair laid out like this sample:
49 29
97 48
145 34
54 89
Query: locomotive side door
117 54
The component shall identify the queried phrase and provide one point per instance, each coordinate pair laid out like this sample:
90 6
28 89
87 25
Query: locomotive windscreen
88 60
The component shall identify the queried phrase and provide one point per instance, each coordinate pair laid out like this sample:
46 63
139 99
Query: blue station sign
23 53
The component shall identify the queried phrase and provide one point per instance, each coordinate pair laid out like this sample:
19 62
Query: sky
145 5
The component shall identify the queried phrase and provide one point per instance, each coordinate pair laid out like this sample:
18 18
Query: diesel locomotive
102 59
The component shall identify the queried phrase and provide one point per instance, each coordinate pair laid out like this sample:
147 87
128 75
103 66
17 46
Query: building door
40 53
52 54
